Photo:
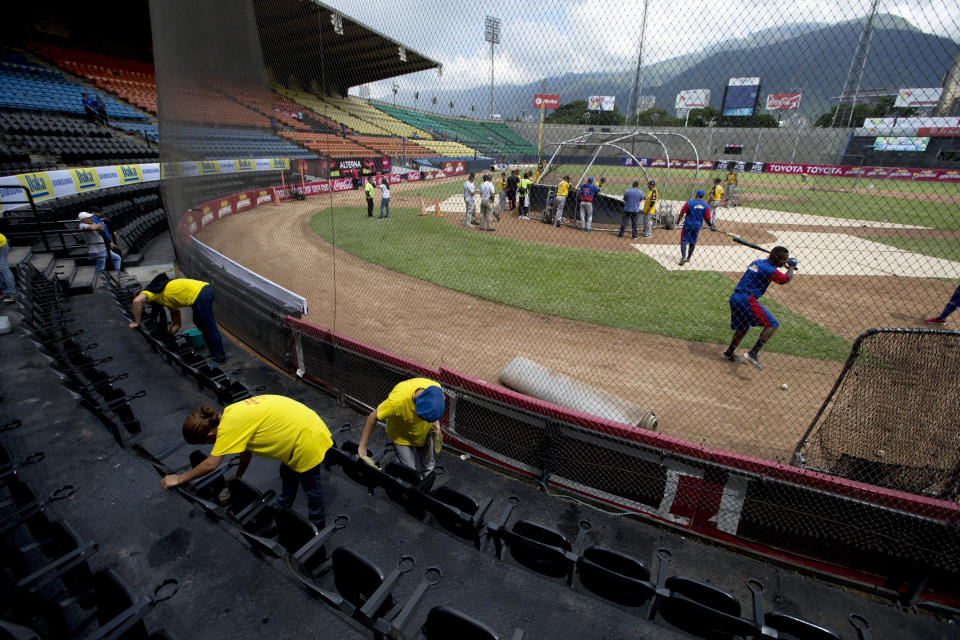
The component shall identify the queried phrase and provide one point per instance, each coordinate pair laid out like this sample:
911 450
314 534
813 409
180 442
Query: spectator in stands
8 286
468 192
512 182
368 192
89 107
411 412
113 251
384 198
101 108
176 294
96 245
270 426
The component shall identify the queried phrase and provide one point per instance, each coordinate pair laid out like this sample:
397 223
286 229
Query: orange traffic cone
437 213
423 208
276 197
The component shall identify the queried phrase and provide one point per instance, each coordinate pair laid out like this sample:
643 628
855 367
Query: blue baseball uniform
695 211
587 191
745 311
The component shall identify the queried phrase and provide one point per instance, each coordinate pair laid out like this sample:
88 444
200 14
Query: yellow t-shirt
179 292
501 184
731 178
3 239
563 189
368 189
404 426
716 193
274 427
650 202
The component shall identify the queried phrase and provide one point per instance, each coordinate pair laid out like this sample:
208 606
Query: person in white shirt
487 211
468 191
384 199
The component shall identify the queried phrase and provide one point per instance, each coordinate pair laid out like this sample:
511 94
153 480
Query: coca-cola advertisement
783 101
342 184
453 168
413 176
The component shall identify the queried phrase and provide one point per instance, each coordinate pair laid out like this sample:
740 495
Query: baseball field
619 314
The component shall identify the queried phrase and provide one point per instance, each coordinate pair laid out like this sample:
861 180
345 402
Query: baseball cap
590 179
429 404
716 179
83 215
699 193
651 184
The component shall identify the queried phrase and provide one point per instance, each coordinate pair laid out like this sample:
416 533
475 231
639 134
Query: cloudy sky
541 38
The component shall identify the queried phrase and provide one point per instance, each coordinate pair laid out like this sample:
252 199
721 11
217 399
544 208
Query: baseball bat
745 243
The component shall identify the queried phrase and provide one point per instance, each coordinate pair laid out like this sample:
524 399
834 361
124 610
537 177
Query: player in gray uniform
468 190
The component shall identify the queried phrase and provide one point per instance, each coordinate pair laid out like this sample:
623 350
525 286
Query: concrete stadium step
16 255
84 280
43 262
65 268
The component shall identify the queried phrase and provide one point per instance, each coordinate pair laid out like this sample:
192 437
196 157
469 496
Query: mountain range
810 57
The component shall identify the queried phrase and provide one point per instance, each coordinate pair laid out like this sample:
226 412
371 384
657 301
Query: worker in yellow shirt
368 192
176 294
713 201
731 185
563 189
502 193
411 413
523 196
649 208
269 426
8 286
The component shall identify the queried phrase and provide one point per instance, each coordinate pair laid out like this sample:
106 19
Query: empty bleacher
361 109
132 80
211 143
327 144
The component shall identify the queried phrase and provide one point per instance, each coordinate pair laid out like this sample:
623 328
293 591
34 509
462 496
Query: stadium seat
459 513
357 579
792 627
702 609
445 622
615 576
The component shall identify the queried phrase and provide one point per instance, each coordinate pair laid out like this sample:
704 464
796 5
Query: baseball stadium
590 320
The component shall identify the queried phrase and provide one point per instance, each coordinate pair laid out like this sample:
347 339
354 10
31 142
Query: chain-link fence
832 134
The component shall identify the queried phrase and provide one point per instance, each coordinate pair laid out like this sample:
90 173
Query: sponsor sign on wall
901 143
849 171
739 166
453 168
740 96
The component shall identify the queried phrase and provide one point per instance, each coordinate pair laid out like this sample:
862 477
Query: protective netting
342 152
891 420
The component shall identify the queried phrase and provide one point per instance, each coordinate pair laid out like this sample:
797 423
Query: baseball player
502 193
411 412
731 186
468 190
562 190
587 191
952 305
713 200
693 213
649 208
746 311
487 210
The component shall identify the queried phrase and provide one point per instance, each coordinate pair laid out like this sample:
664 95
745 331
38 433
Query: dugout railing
905 546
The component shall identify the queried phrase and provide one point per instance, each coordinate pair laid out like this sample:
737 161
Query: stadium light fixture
491 34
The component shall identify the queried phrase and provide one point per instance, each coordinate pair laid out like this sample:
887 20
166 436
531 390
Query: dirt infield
695 394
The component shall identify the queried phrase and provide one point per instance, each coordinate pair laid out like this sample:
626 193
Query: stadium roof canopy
313 42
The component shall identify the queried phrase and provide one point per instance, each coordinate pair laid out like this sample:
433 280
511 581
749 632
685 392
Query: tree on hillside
657 117
702 117
881 108
575 113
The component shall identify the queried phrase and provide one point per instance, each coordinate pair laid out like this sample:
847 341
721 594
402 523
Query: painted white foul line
821 254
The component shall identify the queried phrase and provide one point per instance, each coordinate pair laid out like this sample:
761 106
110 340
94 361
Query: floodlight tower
859 61
491 33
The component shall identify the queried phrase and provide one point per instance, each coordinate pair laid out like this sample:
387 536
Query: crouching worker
274 427
411 412
183 292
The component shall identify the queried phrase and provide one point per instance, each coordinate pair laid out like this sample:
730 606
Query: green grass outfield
619 289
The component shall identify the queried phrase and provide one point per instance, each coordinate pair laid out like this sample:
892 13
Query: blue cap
429 404
590 179
700 193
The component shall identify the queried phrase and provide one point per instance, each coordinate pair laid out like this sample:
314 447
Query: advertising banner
901 143
342 184
936 126
45 185
546 101
783 101
920 98
739 166
848 171
453 168
413 176
693 99
600 103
